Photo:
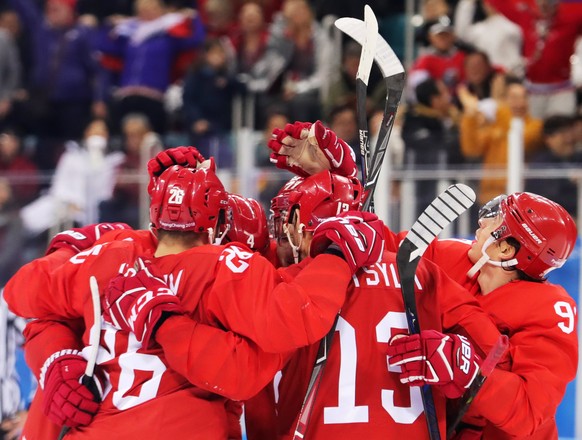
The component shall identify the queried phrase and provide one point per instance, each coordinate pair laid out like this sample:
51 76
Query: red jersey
229 288
540 320
446 67
359 396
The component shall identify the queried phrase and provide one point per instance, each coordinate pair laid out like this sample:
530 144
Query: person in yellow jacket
485 139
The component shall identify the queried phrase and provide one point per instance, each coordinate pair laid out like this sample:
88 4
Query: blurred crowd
90 90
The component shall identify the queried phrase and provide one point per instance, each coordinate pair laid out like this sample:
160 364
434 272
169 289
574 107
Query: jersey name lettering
382 274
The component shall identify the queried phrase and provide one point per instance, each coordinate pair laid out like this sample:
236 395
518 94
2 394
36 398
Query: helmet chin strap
294 248
217 240
485 259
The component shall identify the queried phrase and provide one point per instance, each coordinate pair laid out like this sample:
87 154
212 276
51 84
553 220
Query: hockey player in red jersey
47 337
521 238
358 395
276 334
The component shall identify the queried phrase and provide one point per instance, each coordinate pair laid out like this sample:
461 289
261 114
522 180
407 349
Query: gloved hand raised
185 156
306 149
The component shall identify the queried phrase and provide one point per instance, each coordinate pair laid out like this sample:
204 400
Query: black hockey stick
442 211
364 68
370 38
94 338
485 370
394 76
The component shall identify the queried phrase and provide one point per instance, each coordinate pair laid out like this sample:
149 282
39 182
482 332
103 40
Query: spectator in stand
207 103
140 145
10 73
63 72
485 82
558 152
82 179
298 63
343 90
144 50
442 60
343 121
12 240
15 164
249 41
550 30
101 11
480 75
17 117
496 36
271 179
486 140
430 137
219 18
431 12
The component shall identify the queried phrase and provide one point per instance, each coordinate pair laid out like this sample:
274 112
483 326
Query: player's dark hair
521 275
556 123
426 90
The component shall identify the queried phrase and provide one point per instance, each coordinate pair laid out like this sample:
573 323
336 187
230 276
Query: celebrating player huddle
201 312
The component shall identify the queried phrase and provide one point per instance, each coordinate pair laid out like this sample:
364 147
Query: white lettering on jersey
174 284
82 256
347 410
378 274
234 258
564 310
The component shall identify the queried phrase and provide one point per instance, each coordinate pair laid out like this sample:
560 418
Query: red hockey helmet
280 206
546 232
247 222
323 195
187 199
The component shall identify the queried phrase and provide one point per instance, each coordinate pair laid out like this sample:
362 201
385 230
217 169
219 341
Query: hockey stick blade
487 367
362 77
394 75
384 56
442 211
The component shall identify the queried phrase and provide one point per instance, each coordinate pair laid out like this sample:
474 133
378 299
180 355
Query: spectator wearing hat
442 60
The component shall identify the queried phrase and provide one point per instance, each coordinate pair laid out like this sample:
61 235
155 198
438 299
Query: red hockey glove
82 238
359 236
66 400
306 149
136 303
436 359
185 156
